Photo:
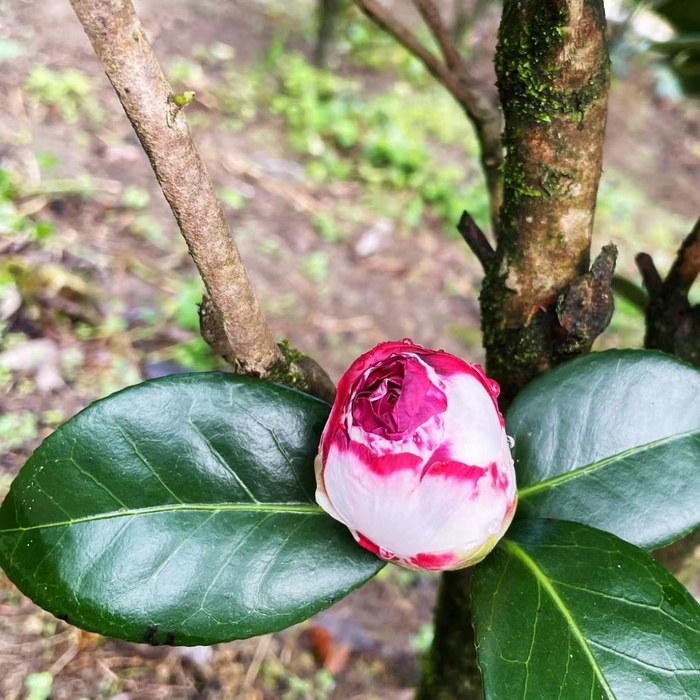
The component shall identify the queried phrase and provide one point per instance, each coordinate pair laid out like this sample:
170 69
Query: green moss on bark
553 76
526 75
529 80
286 371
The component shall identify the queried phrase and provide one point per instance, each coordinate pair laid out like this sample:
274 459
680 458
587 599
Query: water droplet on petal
511 441
386 553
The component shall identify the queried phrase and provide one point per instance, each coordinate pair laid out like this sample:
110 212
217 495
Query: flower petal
415 459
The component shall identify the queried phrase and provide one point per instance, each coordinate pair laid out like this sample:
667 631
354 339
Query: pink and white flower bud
415 459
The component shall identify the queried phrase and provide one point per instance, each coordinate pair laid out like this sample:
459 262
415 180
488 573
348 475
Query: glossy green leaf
612 440
566 612
181 511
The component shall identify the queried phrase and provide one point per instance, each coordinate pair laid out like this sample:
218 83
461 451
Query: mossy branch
540 302
553 72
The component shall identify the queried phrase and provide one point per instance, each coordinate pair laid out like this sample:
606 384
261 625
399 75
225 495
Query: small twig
650 275
245 169
475 239
376 12
686 266
67 656
431 16
258 658
471 94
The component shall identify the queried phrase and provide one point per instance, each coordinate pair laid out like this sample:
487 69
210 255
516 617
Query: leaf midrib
299 509
527 491
542 579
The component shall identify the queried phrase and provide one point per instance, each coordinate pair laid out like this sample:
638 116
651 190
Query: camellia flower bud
415 459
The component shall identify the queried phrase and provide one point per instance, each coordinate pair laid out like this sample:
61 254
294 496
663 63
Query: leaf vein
644 664
92 478
579 472
222 461
300 509
559 603
148 465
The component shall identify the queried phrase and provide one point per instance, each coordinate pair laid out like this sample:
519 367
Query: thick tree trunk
538 307
450 671
540 303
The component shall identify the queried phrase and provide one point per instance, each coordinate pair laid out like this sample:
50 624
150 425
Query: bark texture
553 77
327 11
231 312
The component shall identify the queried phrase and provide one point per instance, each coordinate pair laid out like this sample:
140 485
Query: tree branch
376 12
553 74
456 78
672 324
121 44
650 275
475 239
540 302
686 266
450 668
431 16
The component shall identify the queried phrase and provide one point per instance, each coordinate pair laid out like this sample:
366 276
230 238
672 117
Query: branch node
475 239
584 310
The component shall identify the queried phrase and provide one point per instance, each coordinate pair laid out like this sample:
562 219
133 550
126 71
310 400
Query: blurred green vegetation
378 130
406 142
68 91
382 122
13 219
389 141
